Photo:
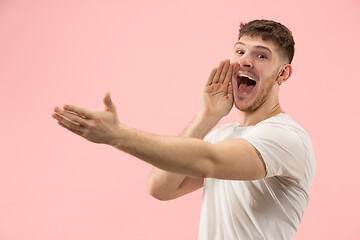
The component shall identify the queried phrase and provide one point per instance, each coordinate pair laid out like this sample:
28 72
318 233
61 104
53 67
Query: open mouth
245 83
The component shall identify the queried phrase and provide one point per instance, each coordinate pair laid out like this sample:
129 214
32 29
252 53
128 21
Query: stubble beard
261 98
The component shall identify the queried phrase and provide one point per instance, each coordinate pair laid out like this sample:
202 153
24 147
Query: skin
181 163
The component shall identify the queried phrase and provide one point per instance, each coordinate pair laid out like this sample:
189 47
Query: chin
244 108
248 107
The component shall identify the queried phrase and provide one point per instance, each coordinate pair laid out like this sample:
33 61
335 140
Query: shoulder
284 145
281 125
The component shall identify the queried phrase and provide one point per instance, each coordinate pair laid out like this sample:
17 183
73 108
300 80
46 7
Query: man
256 173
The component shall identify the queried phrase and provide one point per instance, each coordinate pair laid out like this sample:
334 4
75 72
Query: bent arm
165 185
217 101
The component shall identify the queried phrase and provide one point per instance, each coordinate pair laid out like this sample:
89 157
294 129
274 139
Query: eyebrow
257 46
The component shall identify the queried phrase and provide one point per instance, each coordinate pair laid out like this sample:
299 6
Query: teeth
243 75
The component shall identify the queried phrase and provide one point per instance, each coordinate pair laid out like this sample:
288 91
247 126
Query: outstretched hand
95 126
217 96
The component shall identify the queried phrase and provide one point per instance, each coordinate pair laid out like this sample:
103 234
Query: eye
239 52
262 56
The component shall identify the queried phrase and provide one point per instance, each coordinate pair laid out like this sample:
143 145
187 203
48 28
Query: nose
245 61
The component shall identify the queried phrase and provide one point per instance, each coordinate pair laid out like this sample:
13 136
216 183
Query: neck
267 110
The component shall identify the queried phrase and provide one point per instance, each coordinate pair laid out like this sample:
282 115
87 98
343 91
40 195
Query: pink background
154 57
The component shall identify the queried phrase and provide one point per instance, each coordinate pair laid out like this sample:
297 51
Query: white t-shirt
269 208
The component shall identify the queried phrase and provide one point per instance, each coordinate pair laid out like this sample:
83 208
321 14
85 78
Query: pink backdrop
154 57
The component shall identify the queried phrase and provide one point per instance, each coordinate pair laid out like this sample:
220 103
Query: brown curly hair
280 35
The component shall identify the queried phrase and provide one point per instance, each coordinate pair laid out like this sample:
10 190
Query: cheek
268 74
233 59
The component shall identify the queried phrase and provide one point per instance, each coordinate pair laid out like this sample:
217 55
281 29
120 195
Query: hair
280 35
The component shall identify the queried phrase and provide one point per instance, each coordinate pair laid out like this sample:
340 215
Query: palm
217 99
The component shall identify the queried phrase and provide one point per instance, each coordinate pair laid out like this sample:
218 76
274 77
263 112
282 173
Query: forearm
186 156
198 128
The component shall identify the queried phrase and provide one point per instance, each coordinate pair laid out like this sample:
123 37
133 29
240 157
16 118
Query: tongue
244 88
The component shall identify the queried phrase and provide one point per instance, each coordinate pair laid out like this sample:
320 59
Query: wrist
207 118
118 136
204 122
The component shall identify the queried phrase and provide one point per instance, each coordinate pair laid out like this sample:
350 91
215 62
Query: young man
256 173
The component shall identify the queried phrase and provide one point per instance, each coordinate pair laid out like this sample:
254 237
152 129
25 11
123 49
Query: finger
68 124
224 71
109 105
211 77
70 129
71 116
218 72
87 113
229 75
230 89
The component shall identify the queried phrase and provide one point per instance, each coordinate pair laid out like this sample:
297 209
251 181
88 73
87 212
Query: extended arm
229 159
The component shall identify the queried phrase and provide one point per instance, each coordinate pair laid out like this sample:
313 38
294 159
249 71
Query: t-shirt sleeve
281 149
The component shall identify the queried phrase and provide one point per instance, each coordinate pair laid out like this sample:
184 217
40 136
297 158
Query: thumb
109 105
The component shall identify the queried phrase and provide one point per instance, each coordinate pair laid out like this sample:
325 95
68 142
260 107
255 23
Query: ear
285 73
